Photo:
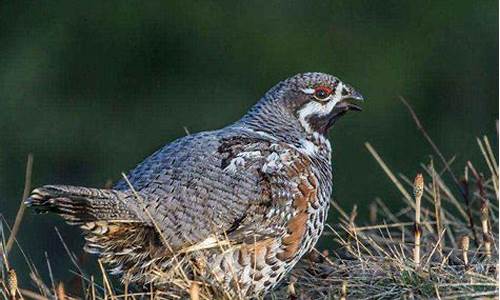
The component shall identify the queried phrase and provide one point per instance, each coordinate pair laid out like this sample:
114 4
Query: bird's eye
322 92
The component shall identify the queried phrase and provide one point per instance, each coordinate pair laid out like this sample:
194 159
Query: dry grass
443 244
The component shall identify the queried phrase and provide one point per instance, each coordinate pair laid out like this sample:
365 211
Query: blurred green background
91 88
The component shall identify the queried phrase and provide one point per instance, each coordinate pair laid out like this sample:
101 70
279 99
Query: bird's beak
349 94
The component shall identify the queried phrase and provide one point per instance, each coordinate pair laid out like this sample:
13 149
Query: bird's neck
275 123
268 117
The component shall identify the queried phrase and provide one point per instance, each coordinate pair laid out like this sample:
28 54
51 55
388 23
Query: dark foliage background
91 88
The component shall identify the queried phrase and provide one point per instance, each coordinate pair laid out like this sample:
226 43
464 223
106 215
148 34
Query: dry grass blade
22 206
436 196
32 295
106 282
391 175
486 156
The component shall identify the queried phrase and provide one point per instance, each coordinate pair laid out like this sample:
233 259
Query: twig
22 207
51 276
105 280
437 208
32 295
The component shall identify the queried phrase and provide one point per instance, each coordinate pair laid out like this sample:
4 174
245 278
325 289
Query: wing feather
224 185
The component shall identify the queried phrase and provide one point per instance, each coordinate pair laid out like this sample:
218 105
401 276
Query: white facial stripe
314 108
338 91
317 108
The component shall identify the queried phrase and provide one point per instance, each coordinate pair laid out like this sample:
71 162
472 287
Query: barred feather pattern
80 204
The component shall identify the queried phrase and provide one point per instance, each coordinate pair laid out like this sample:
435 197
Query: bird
237 207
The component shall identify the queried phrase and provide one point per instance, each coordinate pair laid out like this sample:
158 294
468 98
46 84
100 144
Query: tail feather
111 226
79 205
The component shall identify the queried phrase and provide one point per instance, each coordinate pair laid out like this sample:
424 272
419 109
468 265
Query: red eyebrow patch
326 89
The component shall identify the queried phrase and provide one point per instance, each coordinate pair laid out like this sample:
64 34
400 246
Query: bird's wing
223 184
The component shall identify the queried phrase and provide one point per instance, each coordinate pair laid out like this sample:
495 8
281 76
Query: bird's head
318 100
307 102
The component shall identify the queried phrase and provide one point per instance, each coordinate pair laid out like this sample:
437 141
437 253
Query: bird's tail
78 205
